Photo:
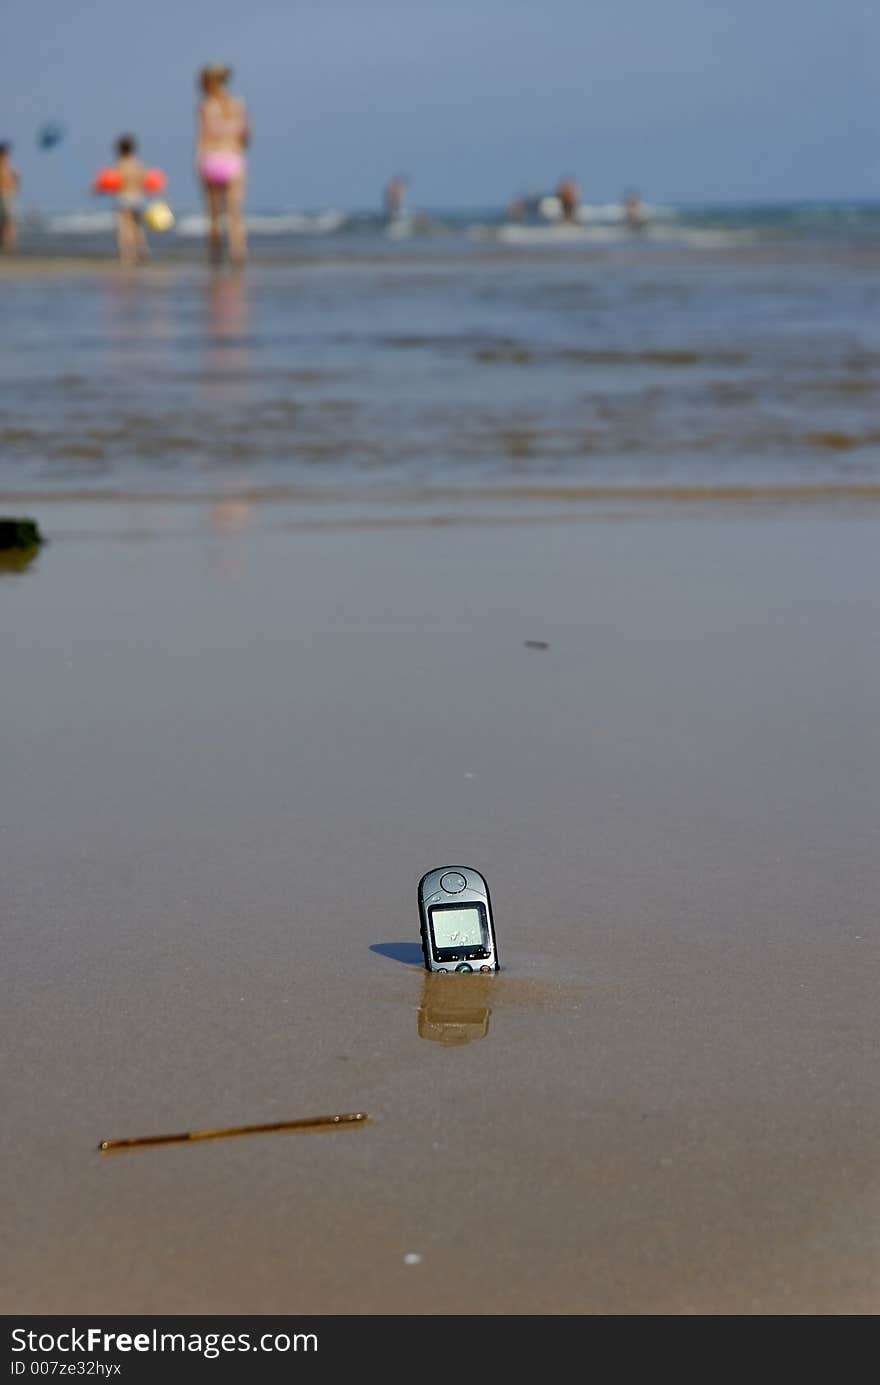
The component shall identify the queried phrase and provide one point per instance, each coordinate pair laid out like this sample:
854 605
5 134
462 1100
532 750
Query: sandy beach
435 439
229 754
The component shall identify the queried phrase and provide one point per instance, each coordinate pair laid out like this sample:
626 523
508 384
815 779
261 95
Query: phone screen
458 927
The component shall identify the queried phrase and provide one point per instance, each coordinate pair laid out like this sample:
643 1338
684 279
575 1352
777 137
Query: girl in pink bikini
223 136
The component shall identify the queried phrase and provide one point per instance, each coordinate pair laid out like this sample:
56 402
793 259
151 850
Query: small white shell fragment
412 1258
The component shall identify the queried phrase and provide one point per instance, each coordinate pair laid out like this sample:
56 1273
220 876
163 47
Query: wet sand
444 373
229 755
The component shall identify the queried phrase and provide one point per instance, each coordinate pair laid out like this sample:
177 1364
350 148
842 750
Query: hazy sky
477 99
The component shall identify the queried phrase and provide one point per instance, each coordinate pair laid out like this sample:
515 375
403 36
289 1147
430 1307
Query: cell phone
458 931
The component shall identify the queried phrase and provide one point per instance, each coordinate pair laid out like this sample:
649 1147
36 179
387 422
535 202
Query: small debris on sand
19 533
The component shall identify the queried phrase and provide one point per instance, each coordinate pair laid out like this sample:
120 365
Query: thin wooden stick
309 1123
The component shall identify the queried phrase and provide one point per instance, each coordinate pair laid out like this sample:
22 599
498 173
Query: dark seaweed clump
19 534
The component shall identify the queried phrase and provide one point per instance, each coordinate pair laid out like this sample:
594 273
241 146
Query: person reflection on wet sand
455 1009
227 380
229 518
227 311
137 318
227 358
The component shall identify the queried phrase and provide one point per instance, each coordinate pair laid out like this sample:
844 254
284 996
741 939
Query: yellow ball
159 216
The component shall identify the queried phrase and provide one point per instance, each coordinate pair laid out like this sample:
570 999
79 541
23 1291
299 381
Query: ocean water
723 348
695 225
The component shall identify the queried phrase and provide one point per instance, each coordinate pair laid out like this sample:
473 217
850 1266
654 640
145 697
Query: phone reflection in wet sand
455 1009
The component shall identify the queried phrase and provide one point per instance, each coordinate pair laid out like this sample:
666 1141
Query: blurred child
633 211
569 195
130 237
9 185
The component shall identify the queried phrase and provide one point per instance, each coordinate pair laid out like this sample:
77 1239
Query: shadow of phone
409 953
455 1009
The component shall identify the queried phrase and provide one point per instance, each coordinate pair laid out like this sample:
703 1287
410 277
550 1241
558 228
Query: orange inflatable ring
108 180
154 180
